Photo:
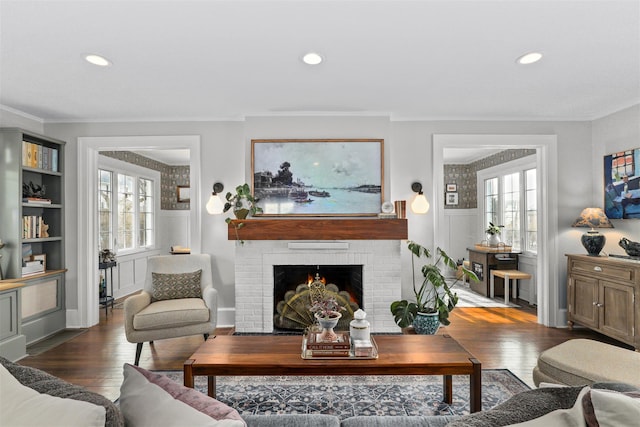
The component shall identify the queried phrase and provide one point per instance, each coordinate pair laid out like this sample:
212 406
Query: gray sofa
522 407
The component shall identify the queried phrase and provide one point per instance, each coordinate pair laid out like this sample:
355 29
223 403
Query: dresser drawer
596 269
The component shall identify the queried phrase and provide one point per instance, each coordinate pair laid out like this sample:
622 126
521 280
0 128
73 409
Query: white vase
493 239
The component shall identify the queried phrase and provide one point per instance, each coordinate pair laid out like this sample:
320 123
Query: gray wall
225 157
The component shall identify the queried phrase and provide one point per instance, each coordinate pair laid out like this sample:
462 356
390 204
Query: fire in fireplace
291 299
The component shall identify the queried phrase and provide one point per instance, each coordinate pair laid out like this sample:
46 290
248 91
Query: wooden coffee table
242 355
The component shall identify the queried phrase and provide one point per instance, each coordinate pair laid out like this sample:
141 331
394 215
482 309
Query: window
145 196
531 225
105 212
509 197
130 211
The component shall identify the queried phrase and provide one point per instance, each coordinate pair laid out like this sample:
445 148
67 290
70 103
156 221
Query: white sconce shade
214 205
420 204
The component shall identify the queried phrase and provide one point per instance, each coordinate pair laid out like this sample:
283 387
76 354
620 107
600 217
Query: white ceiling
221 60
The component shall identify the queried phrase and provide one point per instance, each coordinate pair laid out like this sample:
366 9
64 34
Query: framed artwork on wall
318 177
451 199
452 188
183 194
622 184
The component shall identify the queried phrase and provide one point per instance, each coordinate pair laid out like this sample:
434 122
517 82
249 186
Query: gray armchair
146 319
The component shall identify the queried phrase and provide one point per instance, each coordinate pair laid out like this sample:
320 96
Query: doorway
546 164
87 257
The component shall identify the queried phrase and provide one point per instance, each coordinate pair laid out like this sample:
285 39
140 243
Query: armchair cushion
176 286
171 313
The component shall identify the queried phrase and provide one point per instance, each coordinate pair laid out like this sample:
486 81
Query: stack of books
341 347
29 268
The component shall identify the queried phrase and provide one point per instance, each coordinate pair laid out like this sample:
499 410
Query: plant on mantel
243 204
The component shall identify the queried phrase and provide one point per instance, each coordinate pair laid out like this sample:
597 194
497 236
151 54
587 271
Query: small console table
107 298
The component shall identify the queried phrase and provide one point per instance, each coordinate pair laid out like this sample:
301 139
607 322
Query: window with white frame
509 196
127 206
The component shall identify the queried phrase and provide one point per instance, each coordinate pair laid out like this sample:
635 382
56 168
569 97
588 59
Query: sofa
151 399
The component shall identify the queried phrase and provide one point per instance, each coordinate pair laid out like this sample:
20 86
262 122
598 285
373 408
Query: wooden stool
506 275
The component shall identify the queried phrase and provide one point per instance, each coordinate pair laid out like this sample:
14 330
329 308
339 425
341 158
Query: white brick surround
381 275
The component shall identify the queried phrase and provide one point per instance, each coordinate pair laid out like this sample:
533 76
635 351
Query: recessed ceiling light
529 58
312 58
98 60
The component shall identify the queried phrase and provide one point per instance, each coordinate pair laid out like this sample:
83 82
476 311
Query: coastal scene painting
318 177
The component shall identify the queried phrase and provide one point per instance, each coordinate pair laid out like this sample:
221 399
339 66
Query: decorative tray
338 353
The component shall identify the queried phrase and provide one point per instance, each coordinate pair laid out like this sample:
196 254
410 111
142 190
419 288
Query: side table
108 298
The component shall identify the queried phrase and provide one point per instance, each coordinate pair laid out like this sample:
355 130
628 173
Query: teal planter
426 323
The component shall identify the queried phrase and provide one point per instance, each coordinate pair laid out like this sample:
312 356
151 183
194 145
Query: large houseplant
434 295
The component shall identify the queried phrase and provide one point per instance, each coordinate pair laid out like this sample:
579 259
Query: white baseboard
73 320
226 317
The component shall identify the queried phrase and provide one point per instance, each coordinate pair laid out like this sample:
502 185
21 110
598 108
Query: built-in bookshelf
32 228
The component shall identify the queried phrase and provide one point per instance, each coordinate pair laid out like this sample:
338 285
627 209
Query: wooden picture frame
40 257
452 188
318 177
183 194
451 199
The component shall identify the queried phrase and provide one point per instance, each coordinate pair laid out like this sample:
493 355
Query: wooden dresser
604 295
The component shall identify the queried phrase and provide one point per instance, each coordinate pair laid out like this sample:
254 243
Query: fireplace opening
291 299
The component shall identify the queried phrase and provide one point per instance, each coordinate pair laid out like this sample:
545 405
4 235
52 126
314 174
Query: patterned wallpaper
465 176
170 177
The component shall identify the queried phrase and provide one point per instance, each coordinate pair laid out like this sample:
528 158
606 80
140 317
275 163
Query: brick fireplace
381 276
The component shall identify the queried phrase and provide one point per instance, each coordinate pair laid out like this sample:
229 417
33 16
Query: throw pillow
176 286
23 406
149 399
605 408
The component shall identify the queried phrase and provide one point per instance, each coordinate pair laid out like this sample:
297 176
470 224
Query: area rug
345 396
469 298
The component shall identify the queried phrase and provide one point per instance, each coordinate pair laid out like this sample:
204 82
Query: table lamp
593 218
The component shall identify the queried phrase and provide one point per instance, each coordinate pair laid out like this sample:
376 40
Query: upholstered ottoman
581 362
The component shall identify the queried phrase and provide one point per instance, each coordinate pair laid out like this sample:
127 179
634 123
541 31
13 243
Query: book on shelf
39 156
36 200
32 267
342 342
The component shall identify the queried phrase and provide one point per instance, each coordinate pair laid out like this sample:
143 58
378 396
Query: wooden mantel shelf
320 229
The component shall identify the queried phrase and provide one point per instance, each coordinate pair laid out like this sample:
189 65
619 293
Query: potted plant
434 299
243 204
493 234
327 312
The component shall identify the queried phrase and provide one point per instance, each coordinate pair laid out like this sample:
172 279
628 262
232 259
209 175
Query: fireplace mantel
320 229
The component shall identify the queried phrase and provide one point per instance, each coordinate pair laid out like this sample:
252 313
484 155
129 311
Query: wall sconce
420 205
593 218
214 205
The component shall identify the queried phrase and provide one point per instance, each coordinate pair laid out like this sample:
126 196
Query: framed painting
183 194
451 199
318 177
452 188
622 184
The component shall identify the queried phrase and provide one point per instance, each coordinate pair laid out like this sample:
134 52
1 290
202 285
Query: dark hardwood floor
499 337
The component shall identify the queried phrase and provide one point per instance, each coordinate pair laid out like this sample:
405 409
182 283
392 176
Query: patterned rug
358 395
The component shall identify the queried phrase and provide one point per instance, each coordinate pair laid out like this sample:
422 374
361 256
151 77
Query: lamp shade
214 205
420 204
593 218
